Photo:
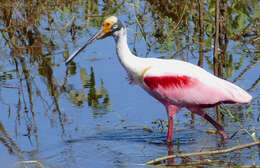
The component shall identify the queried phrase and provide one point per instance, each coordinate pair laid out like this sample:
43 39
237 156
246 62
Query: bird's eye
107 24
115 26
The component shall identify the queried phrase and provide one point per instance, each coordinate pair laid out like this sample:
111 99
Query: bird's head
110 26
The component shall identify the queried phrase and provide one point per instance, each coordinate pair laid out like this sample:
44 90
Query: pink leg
171 111
220 129
170 152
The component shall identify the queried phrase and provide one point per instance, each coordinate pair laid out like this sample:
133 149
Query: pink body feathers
189 91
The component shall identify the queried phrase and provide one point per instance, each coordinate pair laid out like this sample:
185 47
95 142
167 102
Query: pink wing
189 91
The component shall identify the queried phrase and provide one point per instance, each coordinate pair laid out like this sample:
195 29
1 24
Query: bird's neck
124 54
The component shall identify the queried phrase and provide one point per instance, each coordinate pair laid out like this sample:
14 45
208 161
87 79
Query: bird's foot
223 134
169 139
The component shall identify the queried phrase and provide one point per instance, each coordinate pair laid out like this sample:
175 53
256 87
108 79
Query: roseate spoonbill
176 84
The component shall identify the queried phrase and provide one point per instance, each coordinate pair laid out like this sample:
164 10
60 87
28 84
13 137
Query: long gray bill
91 40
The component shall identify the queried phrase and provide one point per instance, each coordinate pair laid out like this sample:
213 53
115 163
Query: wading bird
176 84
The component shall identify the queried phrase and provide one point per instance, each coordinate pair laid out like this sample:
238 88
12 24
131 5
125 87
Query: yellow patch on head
108 22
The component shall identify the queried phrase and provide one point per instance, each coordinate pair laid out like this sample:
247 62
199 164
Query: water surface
86 114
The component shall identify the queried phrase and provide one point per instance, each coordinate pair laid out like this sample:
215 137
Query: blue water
109 135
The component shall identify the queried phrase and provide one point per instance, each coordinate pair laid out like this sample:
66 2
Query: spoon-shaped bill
99 35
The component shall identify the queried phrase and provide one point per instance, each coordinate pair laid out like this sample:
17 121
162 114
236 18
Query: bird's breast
137 74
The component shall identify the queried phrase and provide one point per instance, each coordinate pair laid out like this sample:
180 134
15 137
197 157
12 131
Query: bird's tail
237 94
